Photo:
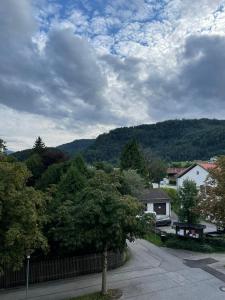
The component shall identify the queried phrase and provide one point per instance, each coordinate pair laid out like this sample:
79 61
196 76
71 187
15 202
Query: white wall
150 208
197 174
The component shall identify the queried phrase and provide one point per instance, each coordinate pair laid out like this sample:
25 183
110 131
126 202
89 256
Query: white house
198 173
156 201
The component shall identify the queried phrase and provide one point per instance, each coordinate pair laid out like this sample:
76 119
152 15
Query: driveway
151 273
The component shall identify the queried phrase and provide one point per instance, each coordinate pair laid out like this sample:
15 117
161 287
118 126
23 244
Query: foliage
206 245
133 183
52 175
174 140
156 167
154 238
188 244
95 296
39 161
39 146
132 158
212 199
76 146
100 165
188 202
172 193
35 165
22 213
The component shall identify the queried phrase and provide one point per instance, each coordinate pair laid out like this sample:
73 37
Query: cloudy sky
72 69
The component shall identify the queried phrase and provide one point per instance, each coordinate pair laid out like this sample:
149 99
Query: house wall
150 208
197 174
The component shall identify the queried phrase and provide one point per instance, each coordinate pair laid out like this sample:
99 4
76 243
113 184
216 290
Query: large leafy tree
132 183
188 201
102 217
212 197
132 158
155 166
22 214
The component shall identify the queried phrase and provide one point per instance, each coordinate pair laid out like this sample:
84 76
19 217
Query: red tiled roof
207 166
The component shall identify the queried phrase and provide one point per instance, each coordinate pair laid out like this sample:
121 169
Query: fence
60 268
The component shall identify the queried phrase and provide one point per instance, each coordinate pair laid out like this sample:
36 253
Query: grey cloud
65 81
196 87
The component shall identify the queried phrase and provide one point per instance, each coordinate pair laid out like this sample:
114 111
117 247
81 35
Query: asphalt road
151 273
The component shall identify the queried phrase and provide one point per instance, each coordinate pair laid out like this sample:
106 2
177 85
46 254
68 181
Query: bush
188 244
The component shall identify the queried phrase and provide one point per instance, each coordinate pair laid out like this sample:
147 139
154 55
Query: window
146 206
197 172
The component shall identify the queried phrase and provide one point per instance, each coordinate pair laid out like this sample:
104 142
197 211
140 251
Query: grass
95 296
154 239
112 294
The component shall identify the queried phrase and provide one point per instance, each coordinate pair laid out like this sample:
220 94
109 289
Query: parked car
163 221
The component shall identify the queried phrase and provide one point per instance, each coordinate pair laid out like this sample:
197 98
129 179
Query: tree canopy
212 197
188 201
22 213
133 158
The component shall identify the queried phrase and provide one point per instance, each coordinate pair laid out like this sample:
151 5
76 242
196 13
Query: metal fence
59 268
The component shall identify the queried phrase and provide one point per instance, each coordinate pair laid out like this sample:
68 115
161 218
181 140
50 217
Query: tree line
51 205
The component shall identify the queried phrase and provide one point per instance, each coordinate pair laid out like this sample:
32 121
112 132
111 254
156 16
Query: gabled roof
175 170
205 166
154 196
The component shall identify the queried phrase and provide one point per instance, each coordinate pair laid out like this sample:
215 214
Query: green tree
132 158
133 184
188 201
105 218
212 196
156 167
22 214
52 175
36 166
39 146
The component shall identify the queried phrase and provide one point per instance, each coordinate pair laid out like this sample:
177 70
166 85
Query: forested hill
76 146
175 140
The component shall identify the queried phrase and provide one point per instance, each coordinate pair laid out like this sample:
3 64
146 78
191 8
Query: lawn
112 294
154 239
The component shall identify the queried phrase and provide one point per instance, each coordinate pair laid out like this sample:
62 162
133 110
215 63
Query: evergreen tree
188 201
132 158
39 145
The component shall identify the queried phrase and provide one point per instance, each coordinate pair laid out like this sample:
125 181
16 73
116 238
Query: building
172 174
198 173
156 201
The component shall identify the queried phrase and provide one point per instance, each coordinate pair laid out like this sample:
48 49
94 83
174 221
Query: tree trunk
104 271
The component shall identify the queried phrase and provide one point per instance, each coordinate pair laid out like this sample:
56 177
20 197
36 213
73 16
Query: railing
59 268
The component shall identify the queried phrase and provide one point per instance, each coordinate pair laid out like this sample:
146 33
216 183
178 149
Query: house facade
156 201
198 173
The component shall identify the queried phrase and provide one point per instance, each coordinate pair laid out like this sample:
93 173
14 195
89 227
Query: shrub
188 244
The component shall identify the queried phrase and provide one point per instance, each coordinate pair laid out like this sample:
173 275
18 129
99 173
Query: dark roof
154 196
175 171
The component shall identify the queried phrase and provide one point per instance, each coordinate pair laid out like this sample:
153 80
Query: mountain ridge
172 140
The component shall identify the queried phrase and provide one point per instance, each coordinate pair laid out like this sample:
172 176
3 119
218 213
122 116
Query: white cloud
90 70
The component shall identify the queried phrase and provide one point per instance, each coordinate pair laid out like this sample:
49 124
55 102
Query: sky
72 69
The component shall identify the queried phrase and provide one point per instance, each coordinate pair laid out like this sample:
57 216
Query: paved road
151 273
